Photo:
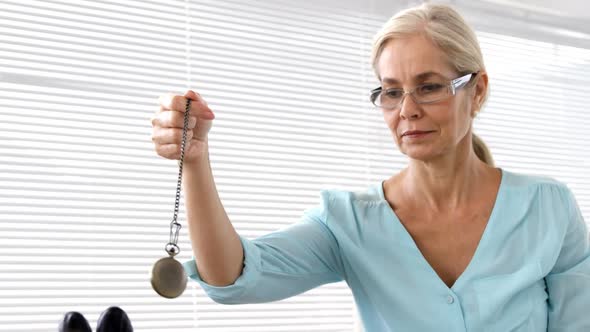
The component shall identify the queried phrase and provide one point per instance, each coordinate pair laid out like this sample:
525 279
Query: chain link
172 246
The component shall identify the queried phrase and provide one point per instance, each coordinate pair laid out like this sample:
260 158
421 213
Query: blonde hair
449 32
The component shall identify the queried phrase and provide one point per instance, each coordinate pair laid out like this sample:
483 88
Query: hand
168 123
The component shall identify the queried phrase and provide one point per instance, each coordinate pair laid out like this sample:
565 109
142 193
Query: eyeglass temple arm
461 81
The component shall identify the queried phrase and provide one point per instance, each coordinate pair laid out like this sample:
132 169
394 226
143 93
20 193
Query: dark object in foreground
114 319
74 322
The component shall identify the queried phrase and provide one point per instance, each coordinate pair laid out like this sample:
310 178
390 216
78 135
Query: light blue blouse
530 272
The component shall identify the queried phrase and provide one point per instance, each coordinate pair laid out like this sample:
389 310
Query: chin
420 154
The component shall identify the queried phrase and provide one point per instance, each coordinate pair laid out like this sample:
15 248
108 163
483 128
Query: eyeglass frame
454 85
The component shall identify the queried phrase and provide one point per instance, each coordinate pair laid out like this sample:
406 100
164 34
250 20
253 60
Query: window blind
283 79
85 202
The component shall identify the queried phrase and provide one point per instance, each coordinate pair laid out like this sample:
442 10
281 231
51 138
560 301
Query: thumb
207 113
190 94
201 131
204 124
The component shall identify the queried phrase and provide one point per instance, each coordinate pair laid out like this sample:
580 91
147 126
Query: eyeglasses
422 94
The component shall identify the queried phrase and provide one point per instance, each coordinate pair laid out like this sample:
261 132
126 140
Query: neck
446 185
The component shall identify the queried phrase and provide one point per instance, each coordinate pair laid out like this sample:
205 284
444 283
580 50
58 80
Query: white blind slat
85 202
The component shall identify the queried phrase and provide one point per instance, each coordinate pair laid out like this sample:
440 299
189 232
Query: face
399 66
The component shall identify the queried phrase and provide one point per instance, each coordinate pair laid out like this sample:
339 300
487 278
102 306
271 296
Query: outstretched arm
282 264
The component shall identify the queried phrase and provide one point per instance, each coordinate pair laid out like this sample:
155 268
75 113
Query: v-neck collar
397 223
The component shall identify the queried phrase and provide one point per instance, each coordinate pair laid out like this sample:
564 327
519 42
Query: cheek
463 105
392 120
450 115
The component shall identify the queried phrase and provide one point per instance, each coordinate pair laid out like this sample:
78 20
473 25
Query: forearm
216 245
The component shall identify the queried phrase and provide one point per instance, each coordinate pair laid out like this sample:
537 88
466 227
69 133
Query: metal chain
172 246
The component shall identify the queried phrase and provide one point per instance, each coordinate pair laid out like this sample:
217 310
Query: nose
409 109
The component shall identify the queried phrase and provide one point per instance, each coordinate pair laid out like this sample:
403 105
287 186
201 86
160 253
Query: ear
480 88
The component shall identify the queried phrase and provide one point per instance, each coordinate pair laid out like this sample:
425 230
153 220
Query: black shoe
74 322
114 319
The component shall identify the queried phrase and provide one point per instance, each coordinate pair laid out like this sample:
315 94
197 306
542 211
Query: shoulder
540 193
340 206
339 196
532 183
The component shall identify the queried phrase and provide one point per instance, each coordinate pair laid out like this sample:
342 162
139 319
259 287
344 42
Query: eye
394 93
430 88
375 94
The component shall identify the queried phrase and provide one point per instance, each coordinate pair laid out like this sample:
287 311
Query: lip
416 133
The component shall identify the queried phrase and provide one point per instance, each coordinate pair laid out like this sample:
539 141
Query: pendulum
168 276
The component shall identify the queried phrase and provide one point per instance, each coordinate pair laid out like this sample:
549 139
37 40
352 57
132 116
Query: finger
154 121
176 120
170 151
170 136
193 95
198 106
170 101
172 119
161 119
173 102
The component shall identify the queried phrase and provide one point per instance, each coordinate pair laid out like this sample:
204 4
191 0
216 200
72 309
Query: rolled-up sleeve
283 263
568 283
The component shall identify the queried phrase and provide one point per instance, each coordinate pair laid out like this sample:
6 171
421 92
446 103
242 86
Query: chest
447 243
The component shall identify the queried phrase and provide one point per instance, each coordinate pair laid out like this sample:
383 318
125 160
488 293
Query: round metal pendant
168 277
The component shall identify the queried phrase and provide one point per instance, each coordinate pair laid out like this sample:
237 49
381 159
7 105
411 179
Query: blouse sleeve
283 263
568 283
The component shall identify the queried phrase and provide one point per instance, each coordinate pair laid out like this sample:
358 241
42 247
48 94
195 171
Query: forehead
405 58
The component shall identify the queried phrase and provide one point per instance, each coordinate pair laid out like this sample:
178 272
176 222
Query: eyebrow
418 77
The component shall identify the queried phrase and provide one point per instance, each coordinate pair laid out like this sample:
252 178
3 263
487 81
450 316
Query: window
86 202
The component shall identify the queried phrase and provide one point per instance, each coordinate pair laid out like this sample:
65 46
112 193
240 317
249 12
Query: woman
450 243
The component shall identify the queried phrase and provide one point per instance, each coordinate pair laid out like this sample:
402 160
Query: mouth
417 134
